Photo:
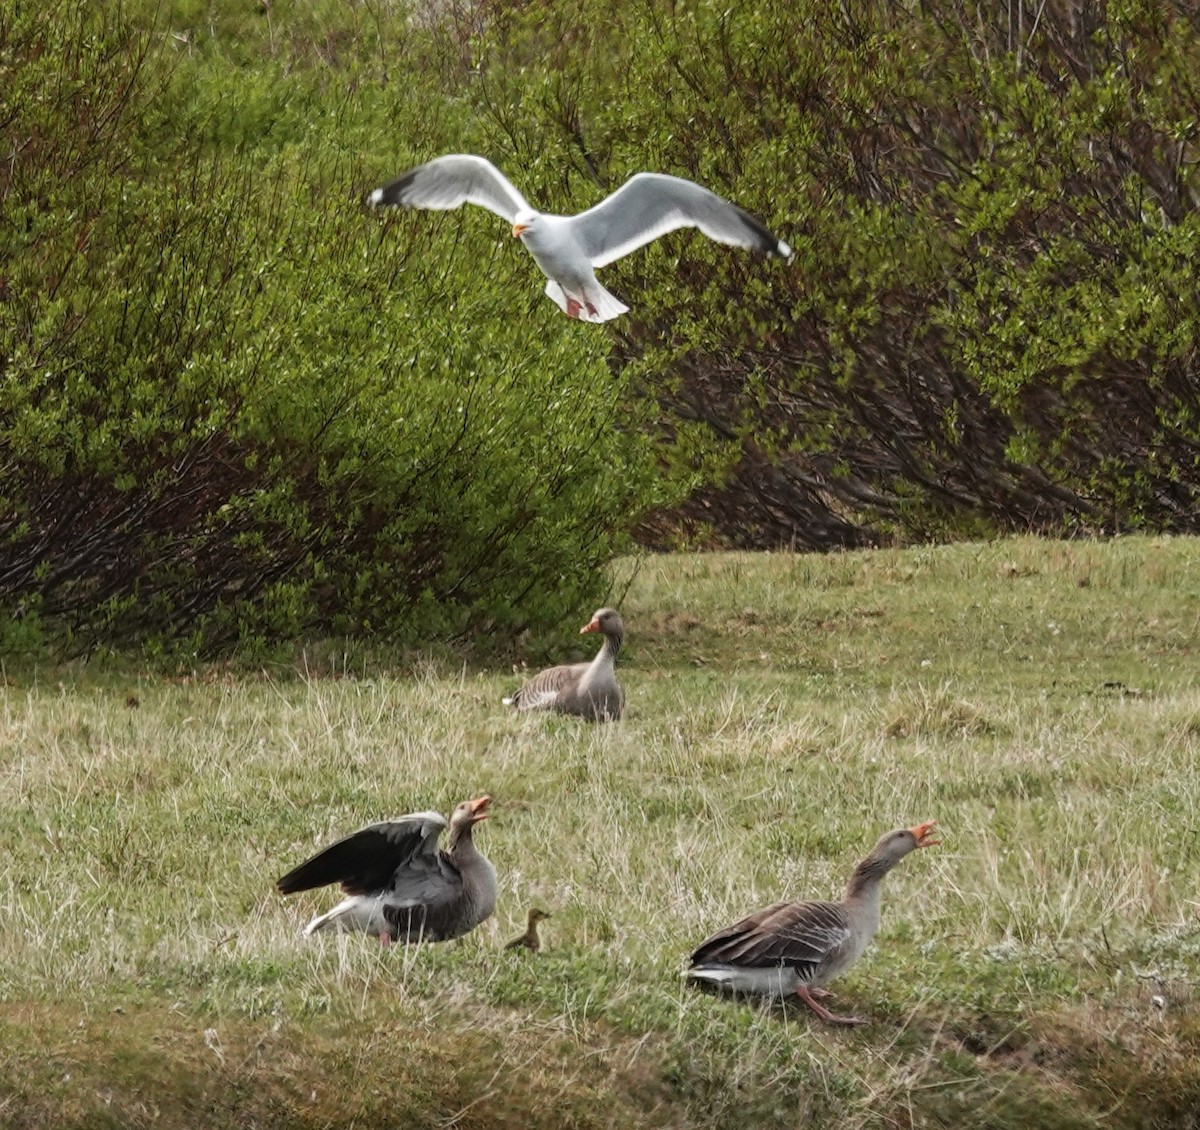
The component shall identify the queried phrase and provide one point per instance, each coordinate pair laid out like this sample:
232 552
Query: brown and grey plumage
530 940
797 947
589 690
399 884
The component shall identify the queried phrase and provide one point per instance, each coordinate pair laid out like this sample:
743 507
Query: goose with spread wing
798 947
399 884
569 249
589 690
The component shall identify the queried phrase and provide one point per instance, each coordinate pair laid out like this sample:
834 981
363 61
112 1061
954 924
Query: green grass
1041 700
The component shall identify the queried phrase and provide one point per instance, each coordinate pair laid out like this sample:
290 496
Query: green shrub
991 322
235 407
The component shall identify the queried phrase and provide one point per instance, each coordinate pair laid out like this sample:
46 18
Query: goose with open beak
798 947
399 883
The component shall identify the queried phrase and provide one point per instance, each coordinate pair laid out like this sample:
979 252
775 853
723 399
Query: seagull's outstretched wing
651 204
451 181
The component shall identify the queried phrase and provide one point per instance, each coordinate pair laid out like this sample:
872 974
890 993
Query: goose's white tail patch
353 913
774 981
714 975
606 306
538 700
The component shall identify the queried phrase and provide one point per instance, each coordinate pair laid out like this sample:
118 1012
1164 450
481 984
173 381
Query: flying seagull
569 249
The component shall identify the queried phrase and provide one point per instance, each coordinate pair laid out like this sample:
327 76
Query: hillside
1039 699
237 407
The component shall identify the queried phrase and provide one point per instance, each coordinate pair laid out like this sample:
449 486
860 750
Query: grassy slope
1040 699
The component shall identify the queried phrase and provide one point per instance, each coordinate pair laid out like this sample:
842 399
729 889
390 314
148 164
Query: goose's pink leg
824 1013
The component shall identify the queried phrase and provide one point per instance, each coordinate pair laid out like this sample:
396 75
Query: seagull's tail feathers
607 306
556 294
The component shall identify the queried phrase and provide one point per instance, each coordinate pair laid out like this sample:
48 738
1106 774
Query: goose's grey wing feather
451 181
426 900
542 691
366 861
651 204
800 935
428 881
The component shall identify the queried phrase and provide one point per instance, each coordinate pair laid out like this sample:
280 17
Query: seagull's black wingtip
766 241
392 194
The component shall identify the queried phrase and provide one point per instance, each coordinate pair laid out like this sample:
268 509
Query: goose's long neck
460 846
864 893
607 655
478 874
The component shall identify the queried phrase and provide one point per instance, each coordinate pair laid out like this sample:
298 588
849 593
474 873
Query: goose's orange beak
922 833
519 230
479 808
593 625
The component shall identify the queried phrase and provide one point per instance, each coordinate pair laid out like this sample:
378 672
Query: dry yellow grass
1041 700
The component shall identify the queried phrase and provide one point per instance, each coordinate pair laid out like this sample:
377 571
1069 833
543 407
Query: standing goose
589 690
796 947
399 884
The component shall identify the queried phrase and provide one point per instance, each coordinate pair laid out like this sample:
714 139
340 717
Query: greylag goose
797 947
530 940
589 690
399 884
569 249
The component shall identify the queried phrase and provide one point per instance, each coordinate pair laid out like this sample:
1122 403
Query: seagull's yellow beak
519 230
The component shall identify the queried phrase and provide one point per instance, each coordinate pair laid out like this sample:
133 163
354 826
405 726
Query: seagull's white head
524 222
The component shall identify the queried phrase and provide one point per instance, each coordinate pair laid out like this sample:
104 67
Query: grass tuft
1036 969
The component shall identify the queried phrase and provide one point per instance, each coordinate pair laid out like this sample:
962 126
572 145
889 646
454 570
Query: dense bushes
233 406
993 318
